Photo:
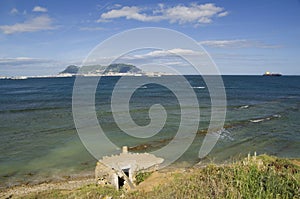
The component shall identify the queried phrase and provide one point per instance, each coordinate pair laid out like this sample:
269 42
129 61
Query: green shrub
141 176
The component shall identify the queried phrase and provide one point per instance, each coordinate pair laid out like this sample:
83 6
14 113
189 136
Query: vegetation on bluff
256 177
262 177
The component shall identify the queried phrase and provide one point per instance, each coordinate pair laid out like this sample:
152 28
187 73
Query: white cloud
167 60
91 28
170 57
39 9
117 5
17 61
237 43
127 12
32 25
194 13
29 66
154 56
173 52
223 14
14 11
224 43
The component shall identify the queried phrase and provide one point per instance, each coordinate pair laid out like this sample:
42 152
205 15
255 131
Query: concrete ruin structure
120 170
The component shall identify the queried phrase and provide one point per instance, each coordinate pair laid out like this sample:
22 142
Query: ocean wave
244 107
31 109
231 87
225 134
258 120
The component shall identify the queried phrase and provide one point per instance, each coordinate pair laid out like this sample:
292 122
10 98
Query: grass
256 177
142 176
261 177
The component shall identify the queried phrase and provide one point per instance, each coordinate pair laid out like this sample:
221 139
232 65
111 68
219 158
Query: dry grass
261 177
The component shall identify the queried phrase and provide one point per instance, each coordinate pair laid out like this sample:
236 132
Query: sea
39 141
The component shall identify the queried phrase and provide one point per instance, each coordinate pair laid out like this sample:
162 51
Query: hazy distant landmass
99 69
119 69
72 69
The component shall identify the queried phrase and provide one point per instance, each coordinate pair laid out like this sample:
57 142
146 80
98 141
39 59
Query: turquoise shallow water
38 139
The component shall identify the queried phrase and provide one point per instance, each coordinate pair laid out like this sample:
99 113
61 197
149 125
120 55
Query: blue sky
242 37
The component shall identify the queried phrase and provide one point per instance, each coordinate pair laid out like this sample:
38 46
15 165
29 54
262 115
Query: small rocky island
117 69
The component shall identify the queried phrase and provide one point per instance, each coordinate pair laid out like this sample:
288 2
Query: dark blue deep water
38 138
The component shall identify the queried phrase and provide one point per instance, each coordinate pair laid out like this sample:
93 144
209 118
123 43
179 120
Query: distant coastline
119 69
150 74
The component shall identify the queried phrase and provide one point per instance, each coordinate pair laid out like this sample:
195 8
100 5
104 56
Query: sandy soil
158 178
27 189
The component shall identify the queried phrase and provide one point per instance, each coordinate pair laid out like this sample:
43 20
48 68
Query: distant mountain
72 69
98 69
122 68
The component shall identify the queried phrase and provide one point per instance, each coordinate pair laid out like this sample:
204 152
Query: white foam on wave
276 116
199 87
224 134
265 119
244 107
257 121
